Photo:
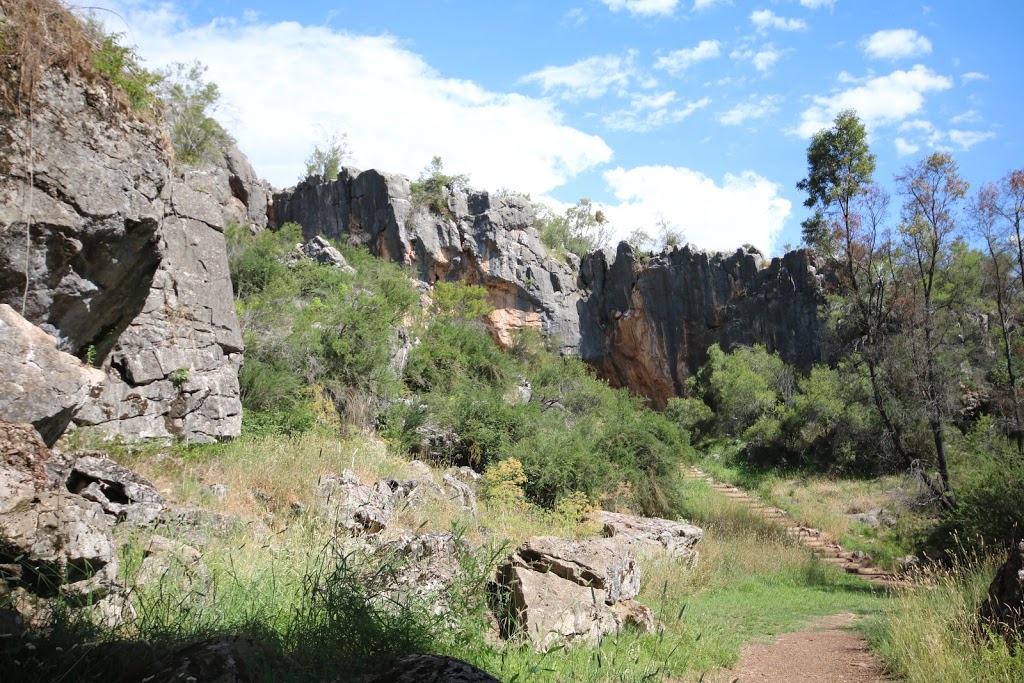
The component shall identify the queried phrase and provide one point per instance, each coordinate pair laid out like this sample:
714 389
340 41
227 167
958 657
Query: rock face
649 321
89 186
486 240
174 371
642 322
51 541
1003 609
122 258
121 493
39 383
553 590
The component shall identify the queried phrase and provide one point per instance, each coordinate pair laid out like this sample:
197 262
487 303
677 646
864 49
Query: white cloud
765 19
645 8
882 100
588 78
763 59
973 76
284 81
701 5
969 116
756 108
677 61
965 139
815 4
904 148
743 208
896 44
652 111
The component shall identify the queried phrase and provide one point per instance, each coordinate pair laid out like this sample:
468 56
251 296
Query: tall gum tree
932 191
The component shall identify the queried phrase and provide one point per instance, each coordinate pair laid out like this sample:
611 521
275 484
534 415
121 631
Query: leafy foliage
580 230
432 187
189 103
309 325
325 162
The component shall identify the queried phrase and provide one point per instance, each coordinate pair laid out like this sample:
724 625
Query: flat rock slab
827 651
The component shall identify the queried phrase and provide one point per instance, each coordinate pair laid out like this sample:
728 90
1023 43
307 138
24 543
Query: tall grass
931 634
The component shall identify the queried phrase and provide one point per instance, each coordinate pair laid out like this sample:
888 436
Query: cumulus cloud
904 148
652 111
973 76
881 100
763 59
896 43
755 108
816 4
765 19
965 139
705 4
743 208
677 61
644 8
588 78
286 83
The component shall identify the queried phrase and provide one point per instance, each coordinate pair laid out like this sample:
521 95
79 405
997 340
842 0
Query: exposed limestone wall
649 321
487 240
641 322
125 259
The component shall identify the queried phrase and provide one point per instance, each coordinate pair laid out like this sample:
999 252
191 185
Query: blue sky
696 113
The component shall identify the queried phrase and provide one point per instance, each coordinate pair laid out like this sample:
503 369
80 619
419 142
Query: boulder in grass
1003 609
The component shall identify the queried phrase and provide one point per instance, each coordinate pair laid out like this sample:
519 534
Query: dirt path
827 651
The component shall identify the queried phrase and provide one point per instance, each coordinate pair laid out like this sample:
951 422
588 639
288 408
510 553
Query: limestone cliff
107 248
486 240
641 322
647 322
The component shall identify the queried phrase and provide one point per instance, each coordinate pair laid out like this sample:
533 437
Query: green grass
931 634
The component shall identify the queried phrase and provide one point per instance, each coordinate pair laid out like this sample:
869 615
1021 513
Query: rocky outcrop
174 371
353 506
39 383
1003 609
651 535
553 591
483 239
647 321
83 192
52 542
123 494
643 321
121 258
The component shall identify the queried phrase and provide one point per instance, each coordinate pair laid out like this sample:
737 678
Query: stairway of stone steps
824 548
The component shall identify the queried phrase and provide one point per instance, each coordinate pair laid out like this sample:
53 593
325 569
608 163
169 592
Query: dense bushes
574 436
313 330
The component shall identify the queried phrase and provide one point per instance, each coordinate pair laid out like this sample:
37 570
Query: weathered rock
635 615
548 610
23 461
352 505
55 541
174 370
1003 609
320 250
648 321
459 492
873 518
39 383
120 492
606 564
89 185
487 240
553 590
164 557
430 562
221 659
651 534
431 669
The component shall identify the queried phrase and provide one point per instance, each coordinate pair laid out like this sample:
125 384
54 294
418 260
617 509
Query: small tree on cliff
325 160
189 103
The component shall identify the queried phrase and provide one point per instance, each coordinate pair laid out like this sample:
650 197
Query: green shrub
432 187
119 65
189 103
